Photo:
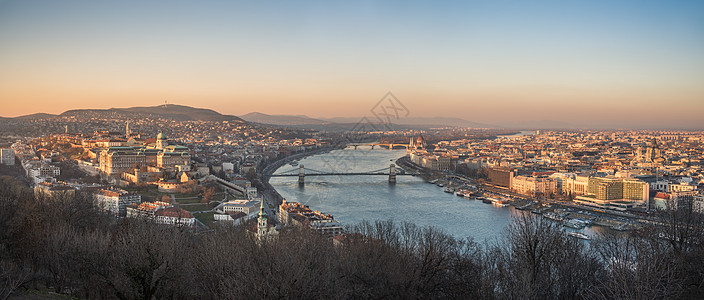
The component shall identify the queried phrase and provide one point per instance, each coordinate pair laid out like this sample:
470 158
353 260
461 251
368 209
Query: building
612 188
245 206
116 201
416 144
264 230
172 157
445 163
531 185
53 190
7 156
161 141
145 209
116 160
297 214
606 188
44 170
174 216
500 176
615 193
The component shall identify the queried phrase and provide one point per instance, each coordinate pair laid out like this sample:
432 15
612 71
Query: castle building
115 160
120 159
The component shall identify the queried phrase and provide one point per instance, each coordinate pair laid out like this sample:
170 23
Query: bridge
392 173
391 146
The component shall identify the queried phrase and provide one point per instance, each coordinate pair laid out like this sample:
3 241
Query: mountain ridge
168 111
282 120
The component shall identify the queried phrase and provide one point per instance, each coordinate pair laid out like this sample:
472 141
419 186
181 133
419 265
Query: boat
579 235
485 200
537 211
525 207
294 163
574 224
463 192
449 189
553 216
621 227
501 203
586 222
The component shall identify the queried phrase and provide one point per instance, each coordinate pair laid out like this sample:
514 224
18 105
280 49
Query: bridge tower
392 173
301 175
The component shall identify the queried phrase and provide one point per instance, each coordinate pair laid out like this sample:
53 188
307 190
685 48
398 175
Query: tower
161 142
127 130
262 223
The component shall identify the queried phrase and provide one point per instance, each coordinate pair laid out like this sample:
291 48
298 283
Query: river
351 199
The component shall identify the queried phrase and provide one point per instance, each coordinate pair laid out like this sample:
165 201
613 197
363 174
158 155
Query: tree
208 194
536 260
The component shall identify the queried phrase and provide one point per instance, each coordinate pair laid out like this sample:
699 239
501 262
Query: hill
37 116
168 111
425 122
281 119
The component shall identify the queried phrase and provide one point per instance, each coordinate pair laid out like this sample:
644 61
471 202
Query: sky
613 63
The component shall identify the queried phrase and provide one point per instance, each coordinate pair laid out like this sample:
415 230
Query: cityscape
295 160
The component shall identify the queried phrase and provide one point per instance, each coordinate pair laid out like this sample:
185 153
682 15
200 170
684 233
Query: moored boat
579 235
553 216
501 203
484 199
576 224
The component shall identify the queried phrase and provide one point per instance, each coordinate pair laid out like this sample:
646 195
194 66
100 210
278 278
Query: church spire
262 226
262 213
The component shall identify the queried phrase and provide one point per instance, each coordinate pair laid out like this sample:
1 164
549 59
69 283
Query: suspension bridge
302 172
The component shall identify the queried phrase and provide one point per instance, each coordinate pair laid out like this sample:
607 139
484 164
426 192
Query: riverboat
579 235
501 203
574 224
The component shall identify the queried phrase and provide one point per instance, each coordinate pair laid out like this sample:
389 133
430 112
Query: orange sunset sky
630 63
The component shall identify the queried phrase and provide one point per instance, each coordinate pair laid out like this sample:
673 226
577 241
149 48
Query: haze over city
597 63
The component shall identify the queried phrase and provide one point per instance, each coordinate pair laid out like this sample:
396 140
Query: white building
245 206
7 156
116 201
174 216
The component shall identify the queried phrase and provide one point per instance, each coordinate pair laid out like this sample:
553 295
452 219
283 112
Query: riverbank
270 195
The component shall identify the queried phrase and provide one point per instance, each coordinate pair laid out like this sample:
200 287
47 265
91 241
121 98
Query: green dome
161 136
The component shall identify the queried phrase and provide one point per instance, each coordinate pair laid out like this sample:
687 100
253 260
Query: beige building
529 185
116 160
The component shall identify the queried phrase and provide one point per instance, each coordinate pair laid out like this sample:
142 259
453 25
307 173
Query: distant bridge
390 146
392 173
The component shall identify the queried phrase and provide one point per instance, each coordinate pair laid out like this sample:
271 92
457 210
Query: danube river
351 199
